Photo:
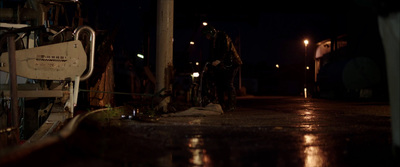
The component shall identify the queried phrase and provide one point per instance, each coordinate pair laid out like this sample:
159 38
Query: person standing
225 62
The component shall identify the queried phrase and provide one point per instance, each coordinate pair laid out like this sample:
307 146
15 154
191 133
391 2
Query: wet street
263 131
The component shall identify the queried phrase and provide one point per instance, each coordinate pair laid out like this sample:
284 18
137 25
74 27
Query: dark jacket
224 51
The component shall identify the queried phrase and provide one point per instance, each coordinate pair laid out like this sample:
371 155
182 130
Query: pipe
76 90
71 98
13 83
92 47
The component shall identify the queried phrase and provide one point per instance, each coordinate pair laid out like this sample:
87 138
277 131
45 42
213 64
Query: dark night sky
264 28
270 33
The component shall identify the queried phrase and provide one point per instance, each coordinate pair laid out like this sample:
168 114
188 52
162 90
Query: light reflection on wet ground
314 155
285 132
263 132
199 154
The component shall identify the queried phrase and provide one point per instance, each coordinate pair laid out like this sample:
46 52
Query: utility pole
164 46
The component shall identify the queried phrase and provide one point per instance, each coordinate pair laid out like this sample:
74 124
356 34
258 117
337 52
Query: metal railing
77 33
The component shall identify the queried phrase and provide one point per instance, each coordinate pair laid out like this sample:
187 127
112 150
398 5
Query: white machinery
62 63
45 51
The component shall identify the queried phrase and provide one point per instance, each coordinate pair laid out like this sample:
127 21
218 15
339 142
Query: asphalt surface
263 131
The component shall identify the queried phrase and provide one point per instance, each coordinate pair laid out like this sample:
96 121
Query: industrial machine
49 60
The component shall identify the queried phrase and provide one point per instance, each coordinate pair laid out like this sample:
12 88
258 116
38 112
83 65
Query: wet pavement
263 131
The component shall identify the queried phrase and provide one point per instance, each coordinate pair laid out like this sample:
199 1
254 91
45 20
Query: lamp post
305 68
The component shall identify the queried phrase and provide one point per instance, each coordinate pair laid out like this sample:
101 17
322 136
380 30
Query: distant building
341 72
324 48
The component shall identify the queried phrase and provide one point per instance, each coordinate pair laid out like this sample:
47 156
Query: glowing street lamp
306 42
195 74
205 23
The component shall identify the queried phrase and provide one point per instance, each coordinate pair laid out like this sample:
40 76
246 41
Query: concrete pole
164 43
389 28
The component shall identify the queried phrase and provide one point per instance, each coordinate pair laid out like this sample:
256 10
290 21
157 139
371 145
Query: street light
140 55
306 42
195 74
305 68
